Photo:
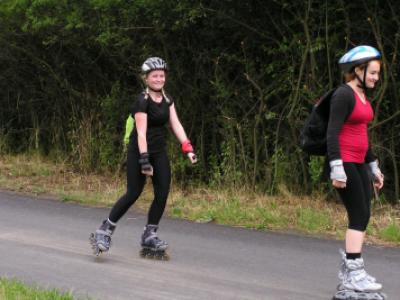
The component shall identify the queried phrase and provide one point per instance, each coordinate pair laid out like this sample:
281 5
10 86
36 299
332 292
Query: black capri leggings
135 182
357 195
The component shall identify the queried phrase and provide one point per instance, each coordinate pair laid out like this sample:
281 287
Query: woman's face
155 80
373 70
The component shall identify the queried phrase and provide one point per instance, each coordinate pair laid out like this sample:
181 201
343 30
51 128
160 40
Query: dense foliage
243 73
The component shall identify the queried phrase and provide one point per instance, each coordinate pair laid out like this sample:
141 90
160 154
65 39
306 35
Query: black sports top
157 118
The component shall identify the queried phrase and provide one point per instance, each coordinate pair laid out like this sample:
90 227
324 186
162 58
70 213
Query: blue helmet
358 56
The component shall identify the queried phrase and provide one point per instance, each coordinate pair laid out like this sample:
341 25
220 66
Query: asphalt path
45 242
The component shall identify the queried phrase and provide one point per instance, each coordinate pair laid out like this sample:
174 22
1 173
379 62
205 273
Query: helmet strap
365 76
362 82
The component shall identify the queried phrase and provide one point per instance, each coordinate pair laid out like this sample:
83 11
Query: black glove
144 162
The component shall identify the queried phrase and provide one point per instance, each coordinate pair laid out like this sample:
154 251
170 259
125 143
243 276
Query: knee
366 219
161 198
161 190
360 222
132 194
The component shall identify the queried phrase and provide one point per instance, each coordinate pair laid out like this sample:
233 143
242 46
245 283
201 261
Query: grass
16 290
312 220
391 233
251 210
286 212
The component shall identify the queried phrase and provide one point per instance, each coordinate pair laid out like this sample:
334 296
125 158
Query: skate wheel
162 256
383 296
143 253
150 254
93 244
96 251
355 295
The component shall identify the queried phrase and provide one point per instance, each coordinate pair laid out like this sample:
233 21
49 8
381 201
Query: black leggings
357 195
135 183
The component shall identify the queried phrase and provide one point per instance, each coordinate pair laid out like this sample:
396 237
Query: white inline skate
356 283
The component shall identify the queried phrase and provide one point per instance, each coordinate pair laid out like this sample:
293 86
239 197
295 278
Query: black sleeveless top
157 119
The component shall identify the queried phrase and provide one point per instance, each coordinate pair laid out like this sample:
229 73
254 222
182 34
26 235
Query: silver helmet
154 63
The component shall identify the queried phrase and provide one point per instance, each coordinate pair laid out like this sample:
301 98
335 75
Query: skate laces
343 268
152 235
106 240
355 270
358 275
104 232
107 227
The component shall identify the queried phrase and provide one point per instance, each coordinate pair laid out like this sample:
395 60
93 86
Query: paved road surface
44 241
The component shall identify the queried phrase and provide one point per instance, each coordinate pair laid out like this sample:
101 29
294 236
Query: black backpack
313 134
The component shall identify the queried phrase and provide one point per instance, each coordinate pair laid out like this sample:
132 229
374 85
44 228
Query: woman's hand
378 181
192 158
148 172
377 174
338 184
338 175
145 166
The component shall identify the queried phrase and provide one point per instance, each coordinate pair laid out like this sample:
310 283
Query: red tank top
353 137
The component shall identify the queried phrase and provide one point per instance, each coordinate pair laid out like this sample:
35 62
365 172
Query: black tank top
157 119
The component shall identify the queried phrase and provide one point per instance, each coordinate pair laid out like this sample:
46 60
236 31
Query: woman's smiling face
155 80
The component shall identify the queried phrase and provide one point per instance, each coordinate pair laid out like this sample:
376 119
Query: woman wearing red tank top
353 137
351 161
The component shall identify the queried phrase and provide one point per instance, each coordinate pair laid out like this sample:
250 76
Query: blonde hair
146 95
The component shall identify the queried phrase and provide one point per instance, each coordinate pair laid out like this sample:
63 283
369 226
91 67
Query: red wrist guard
187 147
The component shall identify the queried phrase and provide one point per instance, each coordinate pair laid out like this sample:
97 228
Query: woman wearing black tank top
147 156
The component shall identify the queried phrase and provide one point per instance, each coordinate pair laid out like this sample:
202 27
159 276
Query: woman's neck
157 96
360 91
355 86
